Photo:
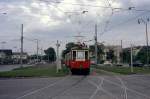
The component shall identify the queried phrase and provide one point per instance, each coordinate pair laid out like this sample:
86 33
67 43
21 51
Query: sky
52 20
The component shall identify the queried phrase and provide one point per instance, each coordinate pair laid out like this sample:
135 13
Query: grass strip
125 70
35 72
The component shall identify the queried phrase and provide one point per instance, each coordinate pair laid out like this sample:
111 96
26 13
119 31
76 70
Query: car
92 62
119 65
107 63
137 64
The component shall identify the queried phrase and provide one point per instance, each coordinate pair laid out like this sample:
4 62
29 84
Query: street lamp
145 22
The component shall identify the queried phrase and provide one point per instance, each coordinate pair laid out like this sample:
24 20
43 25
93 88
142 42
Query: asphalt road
77 87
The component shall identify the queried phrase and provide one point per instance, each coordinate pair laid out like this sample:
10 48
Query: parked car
92 62
119 65
137 64
107 63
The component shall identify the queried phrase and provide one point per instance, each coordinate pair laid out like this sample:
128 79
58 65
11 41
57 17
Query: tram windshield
80 55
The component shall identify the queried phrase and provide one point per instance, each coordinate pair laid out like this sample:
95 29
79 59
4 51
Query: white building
17 55
116 51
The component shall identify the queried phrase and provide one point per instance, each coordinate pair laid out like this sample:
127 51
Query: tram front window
80 55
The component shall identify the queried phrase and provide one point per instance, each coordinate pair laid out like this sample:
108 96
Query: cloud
49 20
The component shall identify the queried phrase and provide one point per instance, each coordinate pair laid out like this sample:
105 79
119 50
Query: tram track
59 92
68 88
122 85
42 88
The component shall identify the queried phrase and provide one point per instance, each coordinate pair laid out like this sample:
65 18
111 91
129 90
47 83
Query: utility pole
37 51
147 45
58 59
131 54
21 60
121 44
96 44
41 54
121 60
146 31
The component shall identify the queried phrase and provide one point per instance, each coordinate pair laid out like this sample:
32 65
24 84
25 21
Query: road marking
95 92
124 87
40 89
68 88
128 89
99 87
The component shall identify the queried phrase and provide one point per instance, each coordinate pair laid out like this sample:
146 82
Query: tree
142 55
68 48
126 55
111 56
50 54
100 51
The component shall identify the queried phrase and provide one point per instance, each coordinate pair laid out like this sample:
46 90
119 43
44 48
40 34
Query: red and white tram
78 60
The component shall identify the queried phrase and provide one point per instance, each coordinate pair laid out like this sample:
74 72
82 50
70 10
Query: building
5 56
112 54
16 56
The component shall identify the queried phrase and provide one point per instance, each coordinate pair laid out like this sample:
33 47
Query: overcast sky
51 20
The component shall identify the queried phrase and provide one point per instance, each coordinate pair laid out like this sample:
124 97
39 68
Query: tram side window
74 55
86 55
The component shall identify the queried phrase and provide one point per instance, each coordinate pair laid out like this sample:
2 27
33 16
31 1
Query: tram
77 60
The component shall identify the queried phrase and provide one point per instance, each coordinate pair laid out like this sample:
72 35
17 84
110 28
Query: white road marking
40 89
122 83
95 92
99 87
128 89
123 86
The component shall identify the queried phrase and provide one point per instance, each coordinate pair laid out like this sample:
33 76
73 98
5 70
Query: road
77 87
10 67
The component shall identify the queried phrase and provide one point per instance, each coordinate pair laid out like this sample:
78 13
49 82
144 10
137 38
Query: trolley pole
96 44
21 60
58 59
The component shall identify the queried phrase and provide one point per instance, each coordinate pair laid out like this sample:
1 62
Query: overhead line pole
21 55
96 44
58 59
121 52
131 54
147 45
37 53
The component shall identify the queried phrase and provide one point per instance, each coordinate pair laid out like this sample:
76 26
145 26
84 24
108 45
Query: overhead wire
126 21
107 7
109 19
145 11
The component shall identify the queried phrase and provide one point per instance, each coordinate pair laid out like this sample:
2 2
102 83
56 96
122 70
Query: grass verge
125 70
48 71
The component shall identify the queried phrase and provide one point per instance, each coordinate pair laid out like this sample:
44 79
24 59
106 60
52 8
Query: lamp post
146 31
